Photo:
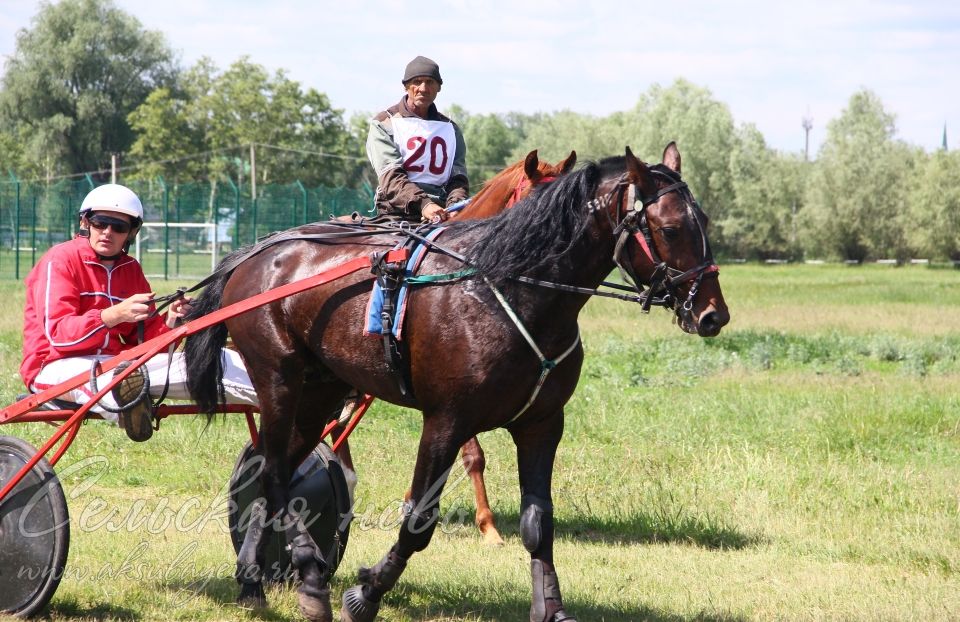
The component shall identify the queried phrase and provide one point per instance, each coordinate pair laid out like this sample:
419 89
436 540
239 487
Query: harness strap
546 365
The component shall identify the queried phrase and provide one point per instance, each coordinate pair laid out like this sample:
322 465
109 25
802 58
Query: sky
772 63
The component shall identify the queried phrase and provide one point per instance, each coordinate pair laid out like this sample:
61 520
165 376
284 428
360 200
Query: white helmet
114 198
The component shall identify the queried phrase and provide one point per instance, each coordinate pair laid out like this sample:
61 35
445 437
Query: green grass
804 465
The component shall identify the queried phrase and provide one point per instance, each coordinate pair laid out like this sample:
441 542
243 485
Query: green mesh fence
187 227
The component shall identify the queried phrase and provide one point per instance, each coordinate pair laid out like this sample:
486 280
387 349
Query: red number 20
438 154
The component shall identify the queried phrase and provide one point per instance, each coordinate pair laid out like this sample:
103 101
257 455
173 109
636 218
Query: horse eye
669 233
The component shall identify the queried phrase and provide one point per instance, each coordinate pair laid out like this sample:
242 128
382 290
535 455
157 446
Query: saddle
387 305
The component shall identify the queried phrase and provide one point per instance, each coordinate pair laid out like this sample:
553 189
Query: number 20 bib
426 147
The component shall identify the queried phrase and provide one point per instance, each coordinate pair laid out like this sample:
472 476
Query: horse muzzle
707 323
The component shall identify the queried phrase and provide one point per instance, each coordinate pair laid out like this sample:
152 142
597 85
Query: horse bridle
523 184
633 224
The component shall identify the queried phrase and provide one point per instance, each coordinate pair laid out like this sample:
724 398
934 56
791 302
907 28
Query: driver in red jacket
84 300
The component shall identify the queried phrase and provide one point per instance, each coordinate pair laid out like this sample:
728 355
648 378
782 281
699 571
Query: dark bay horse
498 193
486 351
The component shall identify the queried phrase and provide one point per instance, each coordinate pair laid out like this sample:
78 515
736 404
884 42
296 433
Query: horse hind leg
250 559
313 593
474 462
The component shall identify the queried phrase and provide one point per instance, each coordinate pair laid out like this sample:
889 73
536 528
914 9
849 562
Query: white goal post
154 235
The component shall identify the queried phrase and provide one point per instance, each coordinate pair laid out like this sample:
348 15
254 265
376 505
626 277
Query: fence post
254 206
166 229
236 214
33 231
303 191
16 230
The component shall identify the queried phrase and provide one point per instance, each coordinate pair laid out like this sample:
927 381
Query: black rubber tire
34 532
320 483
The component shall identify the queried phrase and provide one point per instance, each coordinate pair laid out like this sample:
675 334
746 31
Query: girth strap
389 276
546 365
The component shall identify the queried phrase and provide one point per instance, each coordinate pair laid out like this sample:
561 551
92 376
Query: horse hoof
253 602
316 608
563 616
356 607
491 537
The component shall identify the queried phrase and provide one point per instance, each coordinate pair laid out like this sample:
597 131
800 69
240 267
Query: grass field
805 465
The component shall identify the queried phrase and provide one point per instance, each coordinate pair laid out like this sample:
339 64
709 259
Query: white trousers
236 382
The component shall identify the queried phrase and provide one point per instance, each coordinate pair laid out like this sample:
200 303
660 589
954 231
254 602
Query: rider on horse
418 154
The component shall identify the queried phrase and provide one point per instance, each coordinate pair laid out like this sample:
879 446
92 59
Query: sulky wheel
34 531
317 485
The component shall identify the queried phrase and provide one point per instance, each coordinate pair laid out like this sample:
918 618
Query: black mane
539 229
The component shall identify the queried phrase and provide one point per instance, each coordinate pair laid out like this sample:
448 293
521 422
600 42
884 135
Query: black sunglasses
100 223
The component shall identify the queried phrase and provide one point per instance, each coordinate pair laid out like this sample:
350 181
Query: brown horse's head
669 249
512 184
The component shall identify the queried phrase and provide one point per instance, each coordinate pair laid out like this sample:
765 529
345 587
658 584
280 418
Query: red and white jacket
66 292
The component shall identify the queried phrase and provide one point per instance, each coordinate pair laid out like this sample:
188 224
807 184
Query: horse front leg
474 462
435 458
536 450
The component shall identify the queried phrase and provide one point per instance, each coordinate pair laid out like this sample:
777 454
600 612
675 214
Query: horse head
514 183
664 238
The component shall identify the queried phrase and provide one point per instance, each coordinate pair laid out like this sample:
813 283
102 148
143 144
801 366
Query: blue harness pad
374 325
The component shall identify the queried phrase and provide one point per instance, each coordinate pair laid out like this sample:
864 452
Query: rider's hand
178 309
432 212
134 309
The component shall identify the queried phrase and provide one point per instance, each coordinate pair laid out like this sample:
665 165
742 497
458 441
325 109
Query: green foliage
76 74
703 129
490 143
933 226
857 196
299 135
554 135
760 221
701 126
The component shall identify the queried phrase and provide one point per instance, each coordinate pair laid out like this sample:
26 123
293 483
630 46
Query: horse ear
638 173
530 166
567 165
671 157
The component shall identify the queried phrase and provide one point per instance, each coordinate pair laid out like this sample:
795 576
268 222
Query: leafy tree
554 135
767 193
490 143
76 74
11 155
933 224
166 138
299 136
856 200
703 129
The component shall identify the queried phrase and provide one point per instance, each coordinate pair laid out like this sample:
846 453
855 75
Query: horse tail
202 351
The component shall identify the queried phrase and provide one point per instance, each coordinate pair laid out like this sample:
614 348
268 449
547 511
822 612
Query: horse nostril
710 323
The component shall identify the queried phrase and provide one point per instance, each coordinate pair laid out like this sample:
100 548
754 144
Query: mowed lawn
804 465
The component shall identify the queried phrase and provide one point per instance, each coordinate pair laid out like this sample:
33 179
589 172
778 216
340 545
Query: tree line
87 81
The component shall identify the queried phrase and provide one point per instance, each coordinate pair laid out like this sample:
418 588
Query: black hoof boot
252 596
356 607
315 604
547 605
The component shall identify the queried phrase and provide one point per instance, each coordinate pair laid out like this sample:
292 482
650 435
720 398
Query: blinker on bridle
634 224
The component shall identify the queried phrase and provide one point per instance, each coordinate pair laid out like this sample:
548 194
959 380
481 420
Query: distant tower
807 126
944 145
